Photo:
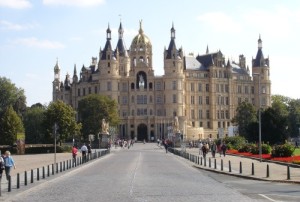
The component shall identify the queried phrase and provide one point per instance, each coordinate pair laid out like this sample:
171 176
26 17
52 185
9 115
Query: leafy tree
11 125
33 123
64 116
245 116
11 95
92 109
294 118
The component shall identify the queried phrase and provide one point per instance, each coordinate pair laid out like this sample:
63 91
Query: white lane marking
262 195
134 174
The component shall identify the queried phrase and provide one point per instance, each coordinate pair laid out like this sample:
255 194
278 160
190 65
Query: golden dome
141 38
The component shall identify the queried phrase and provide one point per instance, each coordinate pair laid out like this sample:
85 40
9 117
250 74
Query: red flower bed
265 156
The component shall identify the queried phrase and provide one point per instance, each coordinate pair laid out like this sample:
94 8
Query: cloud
79 3
220 22
15 4
36 43
6 25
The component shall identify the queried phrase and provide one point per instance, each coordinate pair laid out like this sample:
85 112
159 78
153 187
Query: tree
246 115
33 123
92 109
11 125
294 118
11 96
64 116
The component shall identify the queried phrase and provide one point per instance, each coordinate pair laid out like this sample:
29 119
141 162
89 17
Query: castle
202 92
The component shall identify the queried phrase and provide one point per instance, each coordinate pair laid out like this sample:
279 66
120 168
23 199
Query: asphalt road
146 173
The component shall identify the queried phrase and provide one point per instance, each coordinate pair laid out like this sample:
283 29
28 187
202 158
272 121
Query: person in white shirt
84 150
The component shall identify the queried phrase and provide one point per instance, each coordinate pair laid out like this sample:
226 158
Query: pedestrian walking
89 148
200 148
2 167
166 144
74 154
9 163
84 150
213 149
224 148
204 150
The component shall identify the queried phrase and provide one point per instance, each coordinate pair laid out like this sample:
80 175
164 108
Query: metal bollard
288 173
241 168
268 171
229 165
56 167
209 162
52 169
221 164
201 161
18 180
9 183
60 166
64 168
31 176
25 178
252 169
38 174
215 163
205 161
43 172
48 170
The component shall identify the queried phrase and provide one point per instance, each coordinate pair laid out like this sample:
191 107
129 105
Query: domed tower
261 78
56 82
141 59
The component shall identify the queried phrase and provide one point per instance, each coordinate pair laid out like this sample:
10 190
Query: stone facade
202 91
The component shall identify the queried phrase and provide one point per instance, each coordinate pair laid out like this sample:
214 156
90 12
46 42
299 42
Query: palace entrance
142 132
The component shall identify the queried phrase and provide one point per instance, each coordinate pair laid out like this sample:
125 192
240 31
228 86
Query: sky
35 34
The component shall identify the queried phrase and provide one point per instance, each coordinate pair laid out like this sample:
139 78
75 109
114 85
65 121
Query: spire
172 31
141 28
75 71
108 33
259 42
121 31
207 51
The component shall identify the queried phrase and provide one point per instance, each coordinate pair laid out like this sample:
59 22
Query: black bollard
52 169
221 164
252 169
209 162
38 174
18 180
25 178
56 167
48 170
198 160
241 168
205 162
64 168
60 166
9 183
201 161
31 176
229 165
215 163
288 173
268 171
43 172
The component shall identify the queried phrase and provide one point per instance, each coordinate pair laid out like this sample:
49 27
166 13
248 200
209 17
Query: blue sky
34 33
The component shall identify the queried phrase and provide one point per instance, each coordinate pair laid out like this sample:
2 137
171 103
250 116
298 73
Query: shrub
284 150
236 141
265 149
246 148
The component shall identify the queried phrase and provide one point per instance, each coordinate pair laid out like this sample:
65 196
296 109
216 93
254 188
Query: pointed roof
108 45
259 59
207 51
56 67
172 45
121 43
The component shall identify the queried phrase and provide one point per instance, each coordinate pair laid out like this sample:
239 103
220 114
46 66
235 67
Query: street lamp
259 118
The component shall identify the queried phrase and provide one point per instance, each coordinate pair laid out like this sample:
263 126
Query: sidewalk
242 167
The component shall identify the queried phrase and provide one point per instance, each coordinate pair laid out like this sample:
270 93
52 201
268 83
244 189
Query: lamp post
259 118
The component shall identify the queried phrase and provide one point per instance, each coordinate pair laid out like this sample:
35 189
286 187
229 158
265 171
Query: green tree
294 118
11 96
33 124
245 116
11 125
92 109
64 116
